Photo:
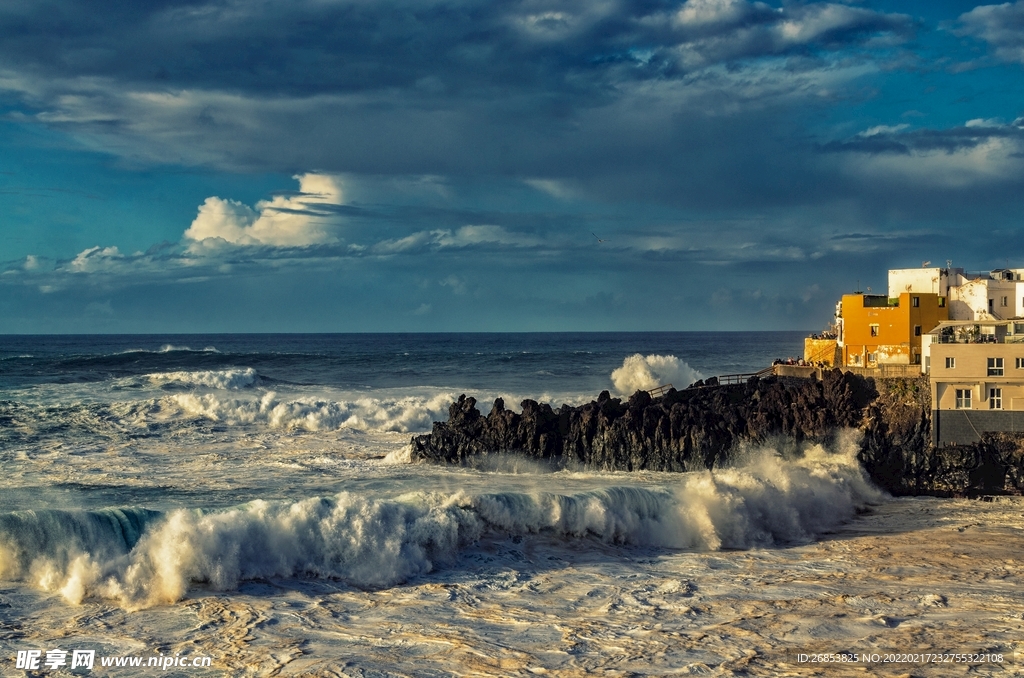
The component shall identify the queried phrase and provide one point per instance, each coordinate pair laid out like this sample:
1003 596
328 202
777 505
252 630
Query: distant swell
141 558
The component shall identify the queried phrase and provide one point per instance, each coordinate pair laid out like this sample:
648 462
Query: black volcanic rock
700 428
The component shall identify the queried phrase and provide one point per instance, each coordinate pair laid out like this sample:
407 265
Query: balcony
978 332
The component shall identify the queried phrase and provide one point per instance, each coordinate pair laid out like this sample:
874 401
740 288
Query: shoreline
703 428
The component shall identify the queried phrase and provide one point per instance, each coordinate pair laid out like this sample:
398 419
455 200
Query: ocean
245 505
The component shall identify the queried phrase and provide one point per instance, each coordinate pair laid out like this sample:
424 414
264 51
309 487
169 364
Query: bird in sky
598 239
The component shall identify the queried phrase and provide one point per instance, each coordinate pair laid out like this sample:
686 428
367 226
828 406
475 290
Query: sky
467 165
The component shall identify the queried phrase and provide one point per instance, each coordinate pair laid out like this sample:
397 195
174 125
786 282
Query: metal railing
660 390
733 379
722 380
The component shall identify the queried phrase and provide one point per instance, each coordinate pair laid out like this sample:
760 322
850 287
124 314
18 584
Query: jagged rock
700 428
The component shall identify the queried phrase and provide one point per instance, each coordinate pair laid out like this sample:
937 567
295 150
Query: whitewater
250 499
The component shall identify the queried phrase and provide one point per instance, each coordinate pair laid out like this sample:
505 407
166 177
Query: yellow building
877 330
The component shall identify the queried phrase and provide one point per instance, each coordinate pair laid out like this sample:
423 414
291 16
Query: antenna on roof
924 264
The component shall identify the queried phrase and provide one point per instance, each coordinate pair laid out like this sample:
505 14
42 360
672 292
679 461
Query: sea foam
141 558
315 414
230 379
640 372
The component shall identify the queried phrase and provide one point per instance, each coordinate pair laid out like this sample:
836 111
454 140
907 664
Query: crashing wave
140 558
313 414
643 373
230 379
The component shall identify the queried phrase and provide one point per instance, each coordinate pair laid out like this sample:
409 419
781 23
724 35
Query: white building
996 295
924 280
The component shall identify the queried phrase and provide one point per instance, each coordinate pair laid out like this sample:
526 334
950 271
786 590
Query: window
991 304
874 330
995 399
1020 363
963 399
917 330
871 358
1004 301
915 302
995 367
950 363
942 302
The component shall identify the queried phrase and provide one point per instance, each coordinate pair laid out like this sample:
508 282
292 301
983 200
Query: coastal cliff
703 428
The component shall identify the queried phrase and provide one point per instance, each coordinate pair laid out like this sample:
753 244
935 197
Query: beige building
976 379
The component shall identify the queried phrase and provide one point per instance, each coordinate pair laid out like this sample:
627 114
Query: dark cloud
456 156
639 99
449 48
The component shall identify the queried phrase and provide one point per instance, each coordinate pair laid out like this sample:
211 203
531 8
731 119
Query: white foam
230 379
643 373
169 348
372 542
403 414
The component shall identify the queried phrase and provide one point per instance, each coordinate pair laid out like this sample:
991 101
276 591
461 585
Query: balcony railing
976 339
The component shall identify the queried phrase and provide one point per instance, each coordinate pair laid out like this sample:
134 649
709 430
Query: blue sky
460 165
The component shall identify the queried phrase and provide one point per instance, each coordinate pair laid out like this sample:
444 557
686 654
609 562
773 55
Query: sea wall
704 428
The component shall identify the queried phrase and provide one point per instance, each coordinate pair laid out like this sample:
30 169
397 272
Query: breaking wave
643 373
231 379
140 558
312 414
171 348
22 423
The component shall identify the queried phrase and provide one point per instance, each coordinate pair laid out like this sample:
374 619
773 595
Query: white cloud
883 129
477 235
553 187
708 12
96 259
994 160
282 221
984 122
1002 26
462 237
229 220
455 284
726 30
31 263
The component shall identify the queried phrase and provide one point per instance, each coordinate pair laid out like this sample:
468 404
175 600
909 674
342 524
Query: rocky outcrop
702 428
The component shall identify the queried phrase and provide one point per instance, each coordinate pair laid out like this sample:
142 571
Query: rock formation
702 428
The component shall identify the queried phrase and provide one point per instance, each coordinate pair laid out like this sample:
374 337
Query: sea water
247 501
